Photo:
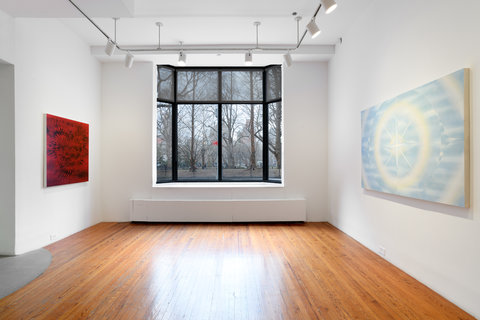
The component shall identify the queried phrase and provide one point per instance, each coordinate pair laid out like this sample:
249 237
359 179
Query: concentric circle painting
417 144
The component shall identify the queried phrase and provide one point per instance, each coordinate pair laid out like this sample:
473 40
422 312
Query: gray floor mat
17 271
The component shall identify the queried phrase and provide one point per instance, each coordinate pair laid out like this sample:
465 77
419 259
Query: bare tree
196 134
165 84
239 121
275 132
164 136
252 128
230 128
274 83
230 125
275 114
193 86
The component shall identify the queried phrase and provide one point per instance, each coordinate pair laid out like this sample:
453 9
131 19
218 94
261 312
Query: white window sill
219 185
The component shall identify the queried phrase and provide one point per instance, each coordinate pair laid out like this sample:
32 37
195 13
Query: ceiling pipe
174 49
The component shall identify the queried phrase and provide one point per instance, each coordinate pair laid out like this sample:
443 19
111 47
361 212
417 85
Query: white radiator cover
155 210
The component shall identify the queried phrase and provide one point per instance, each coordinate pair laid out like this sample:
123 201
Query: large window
219 124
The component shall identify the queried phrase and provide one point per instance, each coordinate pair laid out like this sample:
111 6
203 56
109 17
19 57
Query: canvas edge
466 86
45 115
362 177
88 153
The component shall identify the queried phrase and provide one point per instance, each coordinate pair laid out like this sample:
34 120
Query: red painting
66 151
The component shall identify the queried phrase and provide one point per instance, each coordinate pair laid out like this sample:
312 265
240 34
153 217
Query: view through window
219 124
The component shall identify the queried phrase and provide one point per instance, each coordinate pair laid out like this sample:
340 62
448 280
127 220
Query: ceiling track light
330 5
248 58
129 60
287 57
182 57
312 27
248 55
112 45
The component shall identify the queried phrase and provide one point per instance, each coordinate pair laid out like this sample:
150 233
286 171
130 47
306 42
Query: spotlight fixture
313 29
329 5
110 47
182 59
288 59
129 60
248 58
112 44
248 55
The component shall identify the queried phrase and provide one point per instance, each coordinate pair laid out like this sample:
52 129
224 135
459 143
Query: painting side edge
467 135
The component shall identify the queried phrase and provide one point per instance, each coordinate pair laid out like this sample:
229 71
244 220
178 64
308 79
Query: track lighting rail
91 21
330 6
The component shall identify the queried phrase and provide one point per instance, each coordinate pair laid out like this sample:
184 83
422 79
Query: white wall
394 47
7 159
128 98
7 27
54 73
7 136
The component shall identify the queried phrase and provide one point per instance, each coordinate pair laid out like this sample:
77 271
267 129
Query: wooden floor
221 271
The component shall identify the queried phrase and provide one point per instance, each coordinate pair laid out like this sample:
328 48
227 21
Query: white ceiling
63 8
232 8
195 22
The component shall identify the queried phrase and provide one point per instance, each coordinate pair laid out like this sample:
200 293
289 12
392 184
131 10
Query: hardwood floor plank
221 271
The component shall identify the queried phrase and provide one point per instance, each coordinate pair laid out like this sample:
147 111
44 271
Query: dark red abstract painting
66 151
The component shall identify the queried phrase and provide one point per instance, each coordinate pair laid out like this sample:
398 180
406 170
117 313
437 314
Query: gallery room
308 159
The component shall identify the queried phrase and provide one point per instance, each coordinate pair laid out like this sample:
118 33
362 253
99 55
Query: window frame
265 103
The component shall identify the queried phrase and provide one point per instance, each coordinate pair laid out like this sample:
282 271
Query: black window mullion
219 128
265 128
220 143
274 100
175 130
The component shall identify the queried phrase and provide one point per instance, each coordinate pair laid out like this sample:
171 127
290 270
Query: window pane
275 141
197 85
241 142
242 85
274 83
164 142
165 84
197 142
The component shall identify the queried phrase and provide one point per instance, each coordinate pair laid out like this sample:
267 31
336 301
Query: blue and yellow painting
417 144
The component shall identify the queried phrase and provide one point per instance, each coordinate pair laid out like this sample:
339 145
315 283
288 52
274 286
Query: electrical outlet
382 251
53 237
